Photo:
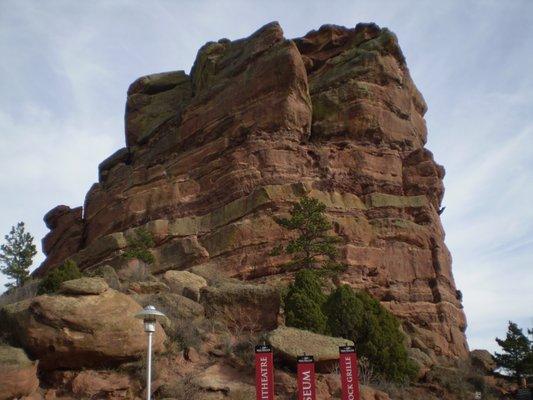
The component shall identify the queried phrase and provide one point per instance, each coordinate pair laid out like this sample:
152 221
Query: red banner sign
264 373
306 378
349 373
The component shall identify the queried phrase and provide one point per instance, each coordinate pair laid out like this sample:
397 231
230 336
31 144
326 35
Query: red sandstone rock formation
213 156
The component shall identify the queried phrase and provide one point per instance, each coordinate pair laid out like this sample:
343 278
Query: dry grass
184 389
238 319
366 371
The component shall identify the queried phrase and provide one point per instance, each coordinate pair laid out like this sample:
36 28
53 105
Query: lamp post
150 316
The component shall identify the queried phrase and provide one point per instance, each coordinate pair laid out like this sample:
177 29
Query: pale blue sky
66 66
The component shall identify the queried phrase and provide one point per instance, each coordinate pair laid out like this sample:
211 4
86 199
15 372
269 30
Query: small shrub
244 351
366 371
375 331
139 245
304 301
212 325
237 319
184 389
186 334
226 344
52 281
345 313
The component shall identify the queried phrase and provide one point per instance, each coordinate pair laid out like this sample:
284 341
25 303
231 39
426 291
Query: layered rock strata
213 156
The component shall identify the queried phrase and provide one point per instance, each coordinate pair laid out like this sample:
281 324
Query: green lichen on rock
389 200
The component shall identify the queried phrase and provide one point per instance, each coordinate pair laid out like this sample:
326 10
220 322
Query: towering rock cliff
213 156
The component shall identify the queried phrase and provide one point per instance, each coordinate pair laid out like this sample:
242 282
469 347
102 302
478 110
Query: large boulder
18 374
84 286
102 385
250 307
483 360
290 343
185 283
79 331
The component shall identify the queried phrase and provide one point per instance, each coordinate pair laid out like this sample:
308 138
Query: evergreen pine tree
16 255
314 248
517 354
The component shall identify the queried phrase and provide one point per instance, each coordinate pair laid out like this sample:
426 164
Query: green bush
375 331
138 246
52 281
345 313
304 301
351 315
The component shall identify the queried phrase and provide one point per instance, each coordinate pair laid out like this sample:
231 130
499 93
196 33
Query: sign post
264 372
349 373
306 378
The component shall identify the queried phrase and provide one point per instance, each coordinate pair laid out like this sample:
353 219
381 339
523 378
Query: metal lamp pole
149 315
149 367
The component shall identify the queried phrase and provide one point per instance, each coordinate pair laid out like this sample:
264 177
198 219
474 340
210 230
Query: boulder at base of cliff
250 307
185 283
290 343
18 375
102 384
483 360
79 331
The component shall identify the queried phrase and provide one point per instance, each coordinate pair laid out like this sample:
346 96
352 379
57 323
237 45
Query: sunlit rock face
213 156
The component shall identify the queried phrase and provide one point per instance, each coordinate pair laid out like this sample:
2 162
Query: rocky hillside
211 158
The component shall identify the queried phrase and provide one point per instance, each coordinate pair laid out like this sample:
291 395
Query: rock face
185 283
79 331
18 375
252 307
84 286
483 360
213 156
96 385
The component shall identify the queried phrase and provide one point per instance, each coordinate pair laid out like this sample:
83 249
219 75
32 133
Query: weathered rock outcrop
18 375
66 331
252 307
213 156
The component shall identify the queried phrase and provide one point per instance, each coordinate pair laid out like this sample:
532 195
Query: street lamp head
150 316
